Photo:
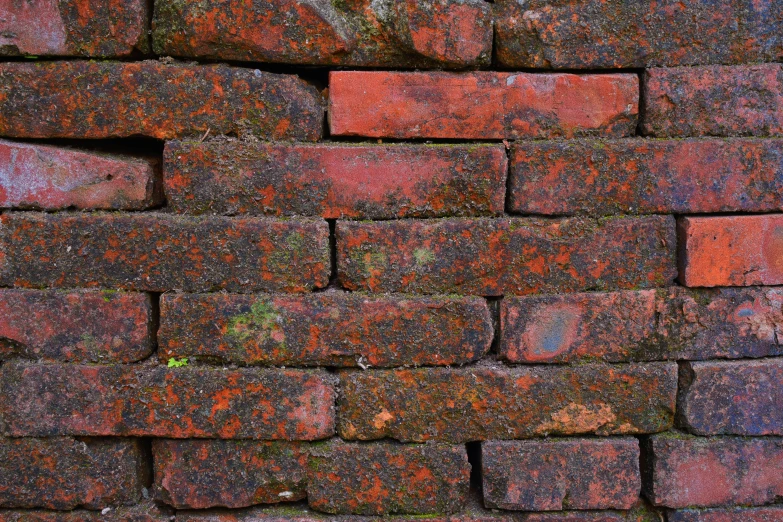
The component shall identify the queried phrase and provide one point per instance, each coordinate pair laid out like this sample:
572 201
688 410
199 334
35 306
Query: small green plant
174 363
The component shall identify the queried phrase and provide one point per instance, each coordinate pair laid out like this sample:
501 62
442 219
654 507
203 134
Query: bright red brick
511 256
144 512
704 472
387 478
159 252
732 397
51 178
63 473
74 28
485 402
48 400
744 100
406 33
198 474
633 176
481 105
73 326
554 475
335 180
731 250
86 99
737 514
327 329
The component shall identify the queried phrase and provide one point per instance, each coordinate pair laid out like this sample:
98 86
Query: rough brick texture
485 403
725 471
160 252
112 99
328 329
407 33
732 397
384 478
634 176
511 256
754 514
68 326
63 473
334 180
48 400
143 512
200 474
561 474
481 105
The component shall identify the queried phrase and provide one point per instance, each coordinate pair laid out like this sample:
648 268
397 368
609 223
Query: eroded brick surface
754 514
143 512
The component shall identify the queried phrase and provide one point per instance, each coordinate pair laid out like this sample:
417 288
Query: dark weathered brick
386 478
633 176
404 33
74 326
703 472
553 475
83 99
732 397
198 474
327 329
484 402
63 473
47 400
159 252
144 512
511 256
737 514
335 180
481 105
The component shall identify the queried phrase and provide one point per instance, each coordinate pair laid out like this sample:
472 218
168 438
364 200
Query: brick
73 326
633 176
75 28
52 178
408 34
742 100
387 478
63 473
553 475
144 512
754 514
615 34
159 252
84 99
324 329
697 472
732 397
481 105
486 402
731 250
335 180
49 400
198 474
511 256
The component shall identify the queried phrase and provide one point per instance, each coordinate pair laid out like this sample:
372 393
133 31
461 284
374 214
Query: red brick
512 256
74 28
486 402
199 474
732 397
407 33
387 478
597 34
63 473
731 250
742 100
633 176
145 512
48 400
481 105
335 180
737 514
553 475
73 326
326 329
51 178
724 471
84 99
159 252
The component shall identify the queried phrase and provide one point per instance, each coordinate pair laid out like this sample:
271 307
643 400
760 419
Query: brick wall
467 261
